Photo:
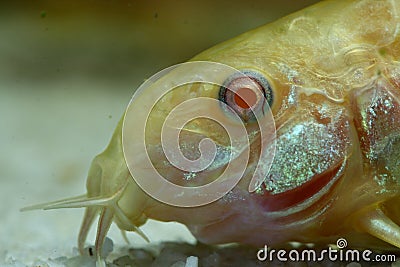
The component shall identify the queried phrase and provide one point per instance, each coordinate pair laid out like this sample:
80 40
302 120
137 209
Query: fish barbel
330 77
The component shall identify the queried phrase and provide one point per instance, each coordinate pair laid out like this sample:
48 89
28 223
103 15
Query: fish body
330 77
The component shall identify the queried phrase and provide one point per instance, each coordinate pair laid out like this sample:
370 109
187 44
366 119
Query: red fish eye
247 94
245 98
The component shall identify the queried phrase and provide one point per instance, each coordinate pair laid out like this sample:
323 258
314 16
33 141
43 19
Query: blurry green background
67 72
120 41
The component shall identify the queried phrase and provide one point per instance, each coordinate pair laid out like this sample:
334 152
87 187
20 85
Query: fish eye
247 93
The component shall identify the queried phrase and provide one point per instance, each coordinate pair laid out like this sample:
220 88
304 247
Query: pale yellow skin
332 54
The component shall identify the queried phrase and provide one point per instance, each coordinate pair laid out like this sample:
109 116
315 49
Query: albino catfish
329 77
